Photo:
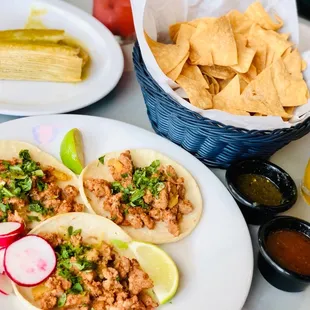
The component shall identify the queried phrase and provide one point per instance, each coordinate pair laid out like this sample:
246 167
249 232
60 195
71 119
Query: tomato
115 15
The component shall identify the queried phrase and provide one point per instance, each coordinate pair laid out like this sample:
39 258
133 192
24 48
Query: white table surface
125 103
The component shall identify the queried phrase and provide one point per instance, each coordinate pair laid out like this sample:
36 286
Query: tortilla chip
250 75
287 52
168 56
290 110
240 23
303 65
214 82
259 60
257 13
272 39
174 74
261 96
245 55
293 63
243 83
285 36
174 29
292 91
212 89
193 72
229 99
223 83
198 96
213 43
218 72
185 33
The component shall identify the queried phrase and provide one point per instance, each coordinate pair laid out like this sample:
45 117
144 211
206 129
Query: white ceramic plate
107 63
215 261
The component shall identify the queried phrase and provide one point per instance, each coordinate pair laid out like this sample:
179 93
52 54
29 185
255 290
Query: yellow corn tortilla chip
198 96
211 89
214 82
168 56
272 39
261 96
240 23
250 75
218 72
243 83
185 33
293 63
303 65
213 43
229 99
257 13
245 55
260 57
174 73
285 36
223 83
287 52
174 29
292 91
193 72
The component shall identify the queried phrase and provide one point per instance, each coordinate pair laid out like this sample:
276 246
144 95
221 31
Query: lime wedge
160 267
71 151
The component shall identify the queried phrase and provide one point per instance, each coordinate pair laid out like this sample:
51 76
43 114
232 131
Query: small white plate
107 63
215 261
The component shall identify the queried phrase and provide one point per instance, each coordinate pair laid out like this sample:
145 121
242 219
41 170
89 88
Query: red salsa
290 249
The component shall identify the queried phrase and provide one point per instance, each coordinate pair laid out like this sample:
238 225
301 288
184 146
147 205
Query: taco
34 185
91 273
153 198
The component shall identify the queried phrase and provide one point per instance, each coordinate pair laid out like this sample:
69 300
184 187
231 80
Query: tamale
39 61
41 35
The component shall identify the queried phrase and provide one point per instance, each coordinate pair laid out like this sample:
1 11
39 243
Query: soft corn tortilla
10 149
95 229
143 158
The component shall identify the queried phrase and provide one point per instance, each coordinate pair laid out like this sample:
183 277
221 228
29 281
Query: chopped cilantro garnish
25 184
38 173
70 230
33 218
16 169
77 288
6 192
41 185
37 207
113 218
4 207
83 265
62 300
76 232
118 278
124 175
101 159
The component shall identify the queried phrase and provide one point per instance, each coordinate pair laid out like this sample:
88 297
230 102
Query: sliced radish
2 250
29 261
9 228
6 287
6 240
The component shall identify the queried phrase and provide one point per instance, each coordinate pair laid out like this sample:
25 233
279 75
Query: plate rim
60 106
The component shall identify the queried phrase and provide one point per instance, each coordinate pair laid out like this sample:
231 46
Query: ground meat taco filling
29 193
92 277
140 197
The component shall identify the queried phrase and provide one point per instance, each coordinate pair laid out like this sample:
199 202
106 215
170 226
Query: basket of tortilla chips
238 63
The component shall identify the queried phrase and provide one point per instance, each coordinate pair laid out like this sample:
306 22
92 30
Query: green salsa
259 189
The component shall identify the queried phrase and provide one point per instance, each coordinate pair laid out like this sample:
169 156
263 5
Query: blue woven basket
214 143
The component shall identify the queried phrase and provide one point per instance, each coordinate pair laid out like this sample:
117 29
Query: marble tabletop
125 103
